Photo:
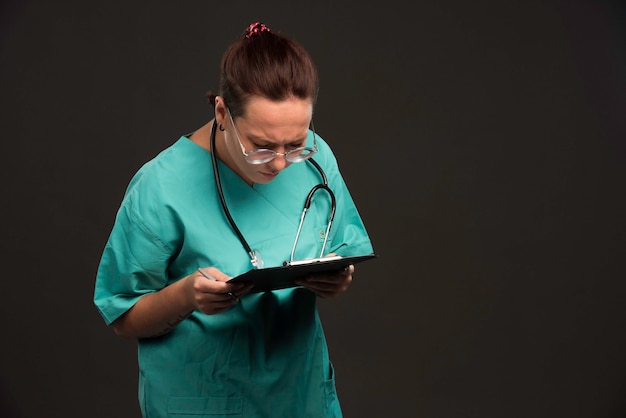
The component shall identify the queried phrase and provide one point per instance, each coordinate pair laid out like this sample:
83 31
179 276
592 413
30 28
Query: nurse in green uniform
208 348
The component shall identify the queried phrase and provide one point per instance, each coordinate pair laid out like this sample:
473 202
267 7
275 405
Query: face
265 124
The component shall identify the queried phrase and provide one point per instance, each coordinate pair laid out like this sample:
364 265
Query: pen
207 275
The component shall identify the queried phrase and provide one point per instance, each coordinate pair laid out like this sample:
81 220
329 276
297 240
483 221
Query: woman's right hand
211 294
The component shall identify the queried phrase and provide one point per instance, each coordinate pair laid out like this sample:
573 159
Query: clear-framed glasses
263 155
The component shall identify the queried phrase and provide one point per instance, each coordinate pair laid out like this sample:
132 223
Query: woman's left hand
328 285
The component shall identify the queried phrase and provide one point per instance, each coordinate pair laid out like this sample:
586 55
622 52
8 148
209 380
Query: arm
158 313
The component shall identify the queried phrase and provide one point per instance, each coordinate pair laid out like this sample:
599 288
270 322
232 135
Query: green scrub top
267 355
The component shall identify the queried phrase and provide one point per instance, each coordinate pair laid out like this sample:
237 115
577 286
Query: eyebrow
268 144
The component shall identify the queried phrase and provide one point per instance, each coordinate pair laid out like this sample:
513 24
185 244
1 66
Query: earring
221 127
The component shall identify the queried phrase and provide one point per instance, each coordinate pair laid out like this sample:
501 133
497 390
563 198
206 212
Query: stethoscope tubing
307 205
220 192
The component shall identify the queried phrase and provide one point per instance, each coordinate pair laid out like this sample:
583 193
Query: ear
220 110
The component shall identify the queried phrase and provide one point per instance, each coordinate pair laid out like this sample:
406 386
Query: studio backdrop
483 143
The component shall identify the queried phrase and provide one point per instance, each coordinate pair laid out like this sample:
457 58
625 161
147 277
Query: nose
279 162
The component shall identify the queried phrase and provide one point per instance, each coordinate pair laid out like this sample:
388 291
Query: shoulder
177 164
168 178
161 191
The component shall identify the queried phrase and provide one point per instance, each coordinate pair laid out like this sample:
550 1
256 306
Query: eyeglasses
264 155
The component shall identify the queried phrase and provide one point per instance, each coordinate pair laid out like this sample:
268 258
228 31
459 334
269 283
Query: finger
236 294
348 269
238 289
208 282
333 279
214 306
323 291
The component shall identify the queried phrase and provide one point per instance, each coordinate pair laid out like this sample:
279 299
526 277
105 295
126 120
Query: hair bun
256 28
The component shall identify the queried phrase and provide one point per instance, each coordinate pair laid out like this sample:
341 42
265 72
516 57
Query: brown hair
266 64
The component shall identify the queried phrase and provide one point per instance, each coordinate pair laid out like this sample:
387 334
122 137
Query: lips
269 176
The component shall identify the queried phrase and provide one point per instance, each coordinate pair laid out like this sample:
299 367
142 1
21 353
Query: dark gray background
483 141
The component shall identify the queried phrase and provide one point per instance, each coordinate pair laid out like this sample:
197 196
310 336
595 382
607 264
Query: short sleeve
350 237
134 263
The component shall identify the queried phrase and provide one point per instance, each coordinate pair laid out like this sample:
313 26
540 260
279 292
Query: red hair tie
255 29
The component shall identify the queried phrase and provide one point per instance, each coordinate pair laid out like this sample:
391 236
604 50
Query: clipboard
281 277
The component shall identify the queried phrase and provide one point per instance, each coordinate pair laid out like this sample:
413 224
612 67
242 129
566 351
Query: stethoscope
255 257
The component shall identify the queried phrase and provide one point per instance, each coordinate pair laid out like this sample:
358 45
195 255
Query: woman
208 347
